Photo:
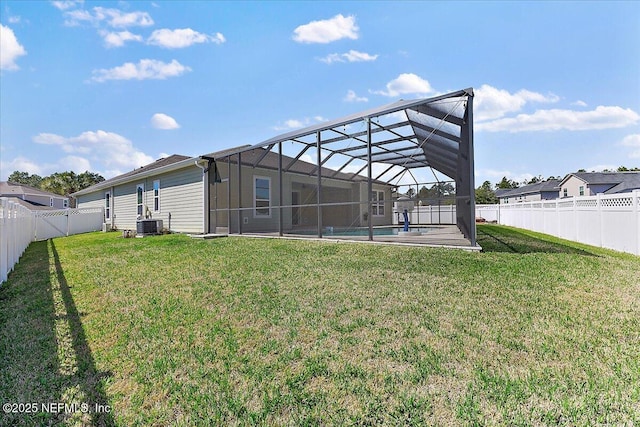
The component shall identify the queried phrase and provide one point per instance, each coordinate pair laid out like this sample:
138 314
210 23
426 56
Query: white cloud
66 4
492 103
292 124
552 120
20 164
112 17
112 150
328 30
10 49
184 37
118 39
352 97
351 56
14 19
74 163
600 168
143 70
119 19
496 176
407 83
632 141
579 103
163 121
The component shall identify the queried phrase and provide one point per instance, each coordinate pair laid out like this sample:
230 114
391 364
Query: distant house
546 190
193 195
33 198
592 183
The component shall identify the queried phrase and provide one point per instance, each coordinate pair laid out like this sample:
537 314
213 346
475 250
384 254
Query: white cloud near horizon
21 164
406 83
182 37
10 49
327 30
66 4
164 122
497 175
145 69
352 97
292 124
632 141
112 150
118 39
491 103
115 18
351 56
602 117
579 103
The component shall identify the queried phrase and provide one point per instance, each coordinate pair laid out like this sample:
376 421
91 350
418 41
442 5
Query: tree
485 194
24 178
507 183
63 183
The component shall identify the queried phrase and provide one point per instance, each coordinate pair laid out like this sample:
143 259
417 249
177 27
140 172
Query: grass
174 331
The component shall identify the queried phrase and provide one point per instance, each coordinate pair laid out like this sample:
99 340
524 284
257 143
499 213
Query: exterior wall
572 185
58 202
333 191
181 199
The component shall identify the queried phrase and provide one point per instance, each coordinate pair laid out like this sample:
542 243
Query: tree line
62 183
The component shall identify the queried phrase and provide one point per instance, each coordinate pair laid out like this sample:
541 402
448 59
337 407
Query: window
377 207
140 199
50 202
261 196
65 203
107 205
565 193
156 195
582 190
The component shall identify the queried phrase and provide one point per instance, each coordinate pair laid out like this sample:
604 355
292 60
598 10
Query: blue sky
110 86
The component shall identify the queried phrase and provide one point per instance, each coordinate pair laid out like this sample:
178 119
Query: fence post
600 218
636 206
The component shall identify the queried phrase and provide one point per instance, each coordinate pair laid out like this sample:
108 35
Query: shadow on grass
44 355
495 238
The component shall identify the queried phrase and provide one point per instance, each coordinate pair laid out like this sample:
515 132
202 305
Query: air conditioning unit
106 227
147 227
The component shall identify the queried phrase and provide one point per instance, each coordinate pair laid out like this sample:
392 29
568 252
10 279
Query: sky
112 86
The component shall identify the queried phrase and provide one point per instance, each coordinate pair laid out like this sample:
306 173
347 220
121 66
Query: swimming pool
345 232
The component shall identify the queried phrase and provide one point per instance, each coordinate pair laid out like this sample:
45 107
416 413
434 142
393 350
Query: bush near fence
19 226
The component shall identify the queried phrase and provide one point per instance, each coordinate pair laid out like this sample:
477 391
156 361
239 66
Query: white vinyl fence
609 221
20 226
428 214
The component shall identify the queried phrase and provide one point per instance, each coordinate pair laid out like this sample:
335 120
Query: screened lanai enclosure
344 178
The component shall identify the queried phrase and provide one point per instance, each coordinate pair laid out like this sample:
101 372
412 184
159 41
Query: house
546 190
33 198
191 194
592 183
339 173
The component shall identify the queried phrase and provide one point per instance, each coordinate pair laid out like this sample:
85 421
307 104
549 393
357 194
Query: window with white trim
156 195
565 192
140 199
50 202
65 203
582 190
261 196
107 205
377 207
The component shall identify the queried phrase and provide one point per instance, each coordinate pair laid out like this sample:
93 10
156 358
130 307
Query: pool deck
438 236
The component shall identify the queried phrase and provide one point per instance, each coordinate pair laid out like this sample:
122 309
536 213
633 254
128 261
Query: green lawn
174 331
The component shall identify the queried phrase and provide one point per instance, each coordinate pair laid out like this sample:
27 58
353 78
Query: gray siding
181 198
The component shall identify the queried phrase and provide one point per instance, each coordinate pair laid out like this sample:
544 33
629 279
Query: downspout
205 185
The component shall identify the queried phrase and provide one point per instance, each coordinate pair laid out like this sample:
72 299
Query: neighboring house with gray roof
592 183
33 198
192 194
546 190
